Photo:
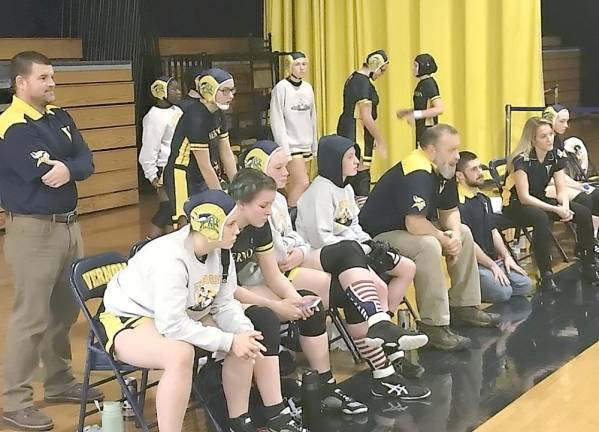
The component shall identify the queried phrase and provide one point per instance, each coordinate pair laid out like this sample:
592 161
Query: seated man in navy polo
500 276
414 207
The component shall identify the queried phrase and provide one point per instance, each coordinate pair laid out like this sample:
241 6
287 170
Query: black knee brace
266 322
316 324
338 257
163 216
382 257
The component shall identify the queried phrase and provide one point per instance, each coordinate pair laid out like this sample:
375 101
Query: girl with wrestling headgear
358 119
201 156
158 128
428 105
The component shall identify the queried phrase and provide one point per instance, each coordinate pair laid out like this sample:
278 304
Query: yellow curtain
488 53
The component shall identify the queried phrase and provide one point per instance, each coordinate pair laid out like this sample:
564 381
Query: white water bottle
112 417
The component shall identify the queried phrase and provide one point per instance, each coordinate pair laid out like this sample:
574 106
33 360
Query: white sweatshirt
284 239
167 282
293 117
283 236
158 128
327 214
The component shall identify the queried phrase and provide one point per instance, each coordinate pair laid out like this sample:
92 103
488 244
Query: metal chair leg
411 309
141 394
508 246
351 345
139 416
560 249
84 391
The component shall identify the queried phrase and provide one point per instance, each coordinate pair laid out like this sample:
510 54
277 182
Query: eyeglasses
228 91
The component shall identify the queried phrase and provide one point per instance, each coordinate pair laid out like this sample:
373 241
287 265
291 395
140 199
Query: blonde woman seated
530 168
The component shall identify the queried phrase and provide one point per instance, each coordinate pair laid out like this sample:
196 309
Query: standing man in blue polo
42 154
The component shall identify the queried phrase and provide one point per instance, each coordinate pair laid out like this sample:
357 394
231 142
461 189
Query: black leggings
163 216
589 201
540 221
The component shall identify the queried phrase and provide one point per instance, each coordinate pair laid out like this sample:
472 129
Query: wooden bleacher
168 46
100 98
561 66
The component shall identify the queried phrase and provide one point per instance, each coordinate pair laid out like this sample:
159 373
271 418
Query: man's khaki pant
432 296
39 253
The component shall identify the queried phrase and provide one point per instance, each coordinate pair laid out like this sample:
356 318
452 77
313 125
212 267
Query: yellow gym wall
488 53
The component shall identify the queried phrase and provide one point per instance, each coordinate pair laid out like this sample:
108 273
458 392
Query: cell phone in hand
312 305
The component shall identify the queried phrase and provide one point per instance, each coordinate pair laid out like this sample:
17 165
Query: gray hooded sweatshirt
327 212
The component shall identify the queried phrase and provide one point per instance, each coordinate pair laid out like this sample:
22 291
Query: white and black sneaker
336 400
383 333
389 384
284 422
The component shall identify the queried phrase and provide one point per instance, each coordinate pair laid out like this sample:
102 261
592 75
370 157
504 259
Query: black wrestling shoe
395 386
337 400
391 336
241 424
284 422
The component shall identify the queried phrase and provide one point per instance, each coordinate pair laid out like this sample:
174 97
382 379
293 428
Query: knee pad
382 257
338 257
163 216
316 324
266 322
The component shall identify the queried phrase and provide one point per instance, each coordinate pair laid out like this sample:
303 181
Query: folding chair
335 316
507 223
88 280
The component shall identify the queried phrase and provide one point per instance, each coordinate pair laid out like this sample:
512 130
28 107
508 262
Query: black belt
68 218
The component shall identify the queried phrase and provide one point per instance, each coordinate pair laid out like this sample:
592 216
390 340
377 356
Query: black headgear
426 64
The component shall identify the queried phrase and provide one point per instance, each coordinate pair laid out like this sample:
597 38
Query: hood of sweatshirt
331 149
